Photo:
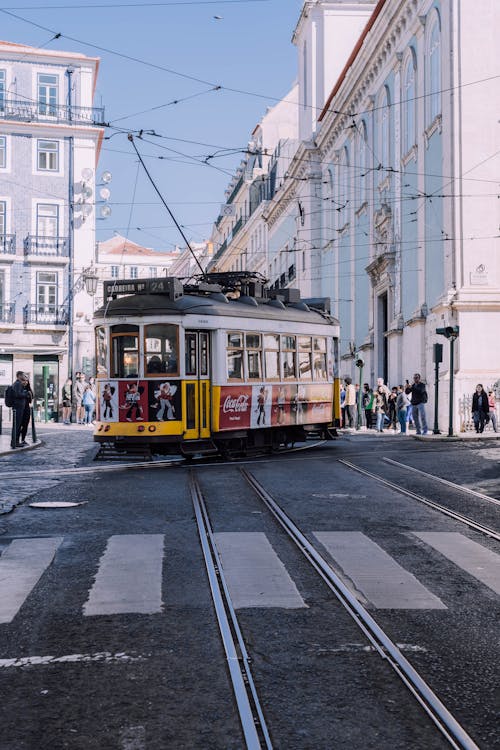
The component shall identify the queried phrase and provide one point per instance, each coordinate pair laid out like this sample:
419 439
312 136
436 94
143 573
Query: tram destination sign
170 287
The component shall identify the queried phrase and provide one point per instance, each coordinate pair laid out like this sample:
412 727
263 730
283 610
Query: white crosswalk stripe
129 577
21 567
472 557
376 574
254 573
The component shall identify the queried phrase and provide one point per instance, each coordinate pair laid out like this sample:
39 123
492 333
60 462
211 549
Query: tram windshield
125 351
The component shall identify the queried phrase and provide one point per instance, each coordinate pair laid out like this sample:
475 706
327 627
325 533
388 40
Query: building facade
49 146
389 199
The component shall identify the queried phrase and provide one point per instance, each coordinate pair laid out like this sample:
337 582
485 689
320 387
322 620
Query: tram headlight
141 428
152 428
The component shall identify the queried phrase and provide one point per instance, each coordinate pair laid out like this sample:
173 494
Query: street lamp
451 333
359 364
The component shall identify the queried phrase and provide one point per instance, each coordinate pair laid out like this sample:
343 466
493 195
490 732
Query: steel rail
62 471
251 715
428 700
467 490
430 503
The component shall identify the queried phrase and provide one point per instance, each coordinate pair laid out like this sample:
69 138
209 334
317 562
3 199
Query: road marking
254 574
21 567
478 561
129 577
375 573
105 657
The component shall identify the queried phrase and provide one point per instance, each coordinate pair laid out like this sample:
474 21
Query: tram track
482 528
445 722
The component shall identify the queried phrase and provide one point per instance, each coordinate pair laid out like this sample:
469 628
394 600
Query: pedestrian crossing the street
129 575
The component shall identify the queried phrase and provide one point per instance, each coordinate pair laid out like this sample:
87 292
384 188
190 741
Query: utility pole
437 350
451 333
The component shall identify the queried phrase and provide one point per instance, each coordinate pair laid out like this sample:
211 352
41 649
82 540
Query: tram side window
319 358
101 348
272 355
161 348
305 358
288 350
234 355
253 345
125 351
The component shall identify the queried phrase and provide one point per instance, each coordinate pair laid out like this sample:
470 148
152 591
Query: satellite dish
106 177
87 174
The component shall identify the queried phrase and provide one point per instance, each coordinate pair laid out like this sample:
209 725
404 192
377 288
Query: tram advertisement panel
139 401
274 405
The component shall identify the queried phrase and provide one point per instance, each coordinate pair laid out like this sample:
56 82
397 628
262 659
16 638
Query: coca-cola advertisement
235 407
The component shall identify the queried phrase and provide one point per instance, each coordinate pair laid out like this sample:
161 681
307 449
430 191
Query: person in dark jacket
418 401
22 400
480 408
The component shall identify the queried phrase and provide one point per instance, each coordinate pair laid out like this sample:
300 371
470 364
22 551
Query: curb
14 451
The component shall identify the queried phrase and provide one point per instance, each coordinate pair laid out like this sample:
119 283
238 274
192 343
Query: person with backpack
418 394
18 397
367 400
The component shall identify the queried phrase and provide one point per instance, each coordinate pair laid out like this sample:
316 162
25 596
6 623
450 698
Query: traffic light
360 362
451 332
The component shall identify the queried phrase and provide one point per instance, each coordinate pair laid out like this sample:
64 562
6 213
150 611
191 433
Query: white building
391 196
50 137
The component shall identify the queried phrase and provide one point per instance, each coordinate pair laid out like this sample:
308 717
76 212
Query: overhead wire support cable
131 139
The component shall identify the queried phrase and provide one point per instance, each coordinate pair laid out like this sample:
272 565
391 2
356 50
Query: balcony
52 246
46 314
7 312
8 244
26 111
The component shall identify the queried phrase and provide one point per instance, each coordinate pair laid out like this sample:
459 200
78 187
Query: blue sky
249 48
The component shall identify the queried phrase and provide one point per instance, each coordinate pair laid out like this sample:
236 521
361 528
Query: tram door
196 386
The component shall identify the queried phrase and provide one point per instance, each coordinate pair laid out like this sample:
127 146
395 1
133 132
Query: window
133 272
304 75
3 219
272 355
434 71
288 349
101 348
253 344
384 131
48 156
362 142
409 108
47 94
161 349
344 183
46 292
319 358
234 355
47 220
305 358
114 272
125 351
2 90
154 272
191 364
3 152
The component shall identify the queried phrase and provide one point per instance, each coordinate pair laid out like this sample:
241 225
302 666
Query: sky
234 44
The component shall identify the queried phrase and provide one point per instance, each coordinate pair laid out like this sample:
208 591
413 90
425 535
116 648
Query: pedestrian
342 404
402 404
67 400
88 402
392 408
418 401
381 384
480 408
22 398
367 405
78 392
492 403
350 402
380 403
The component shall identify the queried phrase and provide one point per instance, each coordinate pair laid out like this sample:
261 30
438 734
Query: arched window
362 162
331 197
409 108
304 75
433 69
384 130
344 185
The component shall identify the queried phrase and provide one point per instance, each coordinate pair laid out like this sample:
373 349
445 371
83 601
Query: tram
223 365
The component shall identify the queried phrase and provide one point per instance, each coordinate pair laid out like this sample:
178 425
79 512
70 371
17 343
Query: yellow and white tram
222 367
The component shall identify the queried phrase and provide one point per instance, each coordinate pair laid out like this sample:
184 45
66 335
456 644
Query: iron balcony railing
7 312
37 245
46 314
28 111
8 244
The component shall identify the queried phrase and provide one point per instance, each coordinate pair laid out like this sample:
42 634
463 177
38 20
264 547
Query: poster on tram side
164 400
132 401
107 401
235 407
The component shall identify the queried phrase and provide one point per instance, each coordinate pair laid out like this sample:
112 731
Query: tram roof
151 305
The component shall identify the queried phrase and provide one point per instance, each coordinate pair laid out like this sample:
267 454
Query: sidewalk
430 437
5 437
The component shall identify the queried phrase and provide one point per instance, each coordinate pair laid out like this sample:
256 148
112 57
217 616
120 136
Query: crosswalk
129 576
